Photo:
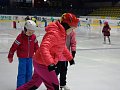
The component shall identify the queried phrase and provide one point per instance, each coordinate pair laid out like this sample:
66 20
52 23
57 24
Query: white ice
97 65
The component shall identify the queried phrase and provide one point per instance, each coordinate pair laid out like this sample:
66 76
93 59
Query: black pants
62 70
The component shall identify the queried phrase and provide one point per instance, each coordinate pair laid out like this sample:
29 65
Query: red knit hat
70 19
105 22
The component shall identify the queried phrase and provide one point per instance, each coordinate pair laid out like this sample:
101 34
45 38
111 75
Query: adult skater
25 45
51 48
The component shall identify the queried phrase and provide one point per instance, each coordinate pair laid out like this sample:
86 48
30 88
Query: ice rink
97 65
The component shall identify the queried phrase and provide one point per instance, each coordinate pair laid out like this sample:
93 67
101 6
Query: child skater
63 62
26 45
52 47
106 32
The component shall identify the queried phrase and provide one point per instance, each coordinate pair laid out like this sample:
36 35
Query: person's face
68 31
29 32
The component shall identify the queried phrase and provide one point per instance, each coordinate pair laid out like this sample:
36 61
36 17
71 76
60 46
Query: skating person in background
35 20
52 19
27 18
26 45
63 62
19 26
88 22
14 24
45 21
79 24
100 22
47 55
106 32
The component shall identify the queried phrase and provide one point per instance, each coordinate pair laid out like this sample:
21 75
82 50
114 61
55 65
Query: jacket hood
55 26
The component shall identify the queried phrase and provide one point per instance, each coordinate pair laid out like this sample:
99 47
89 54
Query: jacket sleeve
67 54
46 44
36 45
73 41
14 46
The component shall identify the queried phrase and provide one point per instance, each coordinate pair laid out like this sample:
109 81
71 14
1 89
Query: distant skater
106 32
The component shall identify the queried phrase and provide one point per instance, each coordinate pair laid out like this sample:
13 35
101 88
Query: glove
72 62
51 67
73 53
10 60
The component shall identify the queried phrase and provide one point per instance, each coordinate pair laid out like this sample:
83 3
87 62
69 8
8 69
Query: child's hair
25 29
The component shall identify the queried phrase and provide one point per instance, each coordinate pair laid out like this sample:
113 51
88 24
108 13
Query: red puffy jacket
24 45
52 45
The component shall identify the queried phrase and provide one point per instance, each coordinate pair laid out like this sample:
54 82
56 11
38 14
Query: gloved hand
10 60
72 62
51 67
73 53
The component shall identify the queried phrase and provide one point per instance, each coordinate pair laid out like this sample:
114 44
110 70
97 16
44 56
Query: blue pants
24 71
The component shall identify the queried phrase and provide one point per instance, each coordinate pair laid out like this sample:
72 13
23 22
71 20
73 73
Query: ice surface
97 65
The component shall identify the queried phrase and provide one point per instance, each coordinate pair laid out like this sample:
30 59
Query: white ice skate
64 87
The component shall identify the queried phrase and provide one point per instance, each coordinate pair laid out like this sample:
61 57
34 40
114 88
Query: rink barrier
41 24
7 20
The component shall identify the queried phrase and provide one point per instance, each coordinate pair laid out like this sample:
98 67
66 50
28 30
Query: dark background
52 7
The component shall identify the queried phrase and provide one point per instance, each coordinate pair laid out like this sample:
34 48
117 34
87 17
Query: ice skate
64 87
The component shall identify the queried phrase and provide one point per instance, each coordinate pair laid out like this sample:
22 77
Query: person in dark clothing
100 21
27 18
106 32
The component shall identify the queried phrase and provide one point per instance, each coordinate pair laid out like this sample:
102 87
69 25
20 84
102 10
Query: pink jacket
52 45
106 30
24 45
71 44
